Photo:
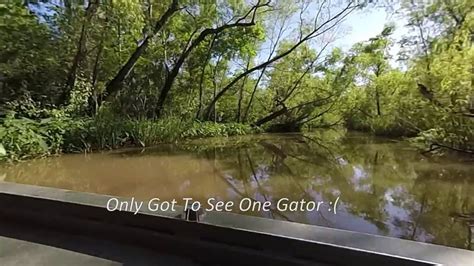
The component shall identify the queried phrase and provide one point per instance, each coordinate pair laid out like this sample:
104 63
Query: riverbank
27 138
23 138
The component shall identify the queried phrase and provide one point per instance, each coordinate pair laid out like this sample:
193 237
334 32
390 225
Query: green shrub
23 138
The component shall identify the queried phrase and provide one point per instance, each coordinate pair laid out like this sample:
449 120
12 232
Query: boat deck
28 246
46 226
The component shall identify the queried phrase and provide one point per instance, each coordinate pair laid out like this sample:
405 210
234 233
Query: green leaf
43 145
3 152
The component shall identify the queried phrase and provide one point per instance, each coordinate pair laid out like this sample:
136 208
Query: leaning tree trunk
271 116
116 83
81 52
311 35
255 87
241 95
203 73
93 100
171 77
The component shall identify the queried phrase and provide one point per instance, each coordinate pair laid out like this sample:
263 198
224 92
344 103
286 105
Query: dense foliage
434 98
79 75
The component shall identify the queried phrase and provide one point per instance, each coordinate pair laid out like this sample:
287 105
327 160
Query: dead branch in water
436 146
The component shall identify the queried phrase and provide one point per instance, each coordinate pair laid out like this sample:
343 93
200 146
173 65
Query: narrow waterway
384 186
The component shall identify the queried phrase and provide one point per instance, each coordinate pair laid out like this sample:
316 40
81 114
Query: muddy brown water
385 187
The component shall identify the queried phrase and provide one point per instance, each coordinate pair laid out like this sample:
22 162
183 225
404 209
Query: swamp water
384 186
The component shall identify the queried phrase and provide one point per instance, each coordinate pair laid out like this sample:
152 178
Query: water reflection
385 187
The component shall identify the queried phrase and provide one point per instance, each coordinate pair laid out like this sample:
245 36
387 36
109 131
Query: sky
358 26
363 25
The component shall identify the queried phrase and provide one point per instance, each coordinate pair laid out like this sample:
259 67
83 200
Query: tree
115 84
316 31
247 20
81 49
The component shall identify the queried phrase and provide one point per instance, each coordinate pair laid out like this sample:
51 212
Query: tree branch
343 13
116 83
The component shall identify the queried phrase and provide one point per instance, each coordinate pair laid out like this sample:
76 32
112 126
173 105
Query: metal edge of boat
218 237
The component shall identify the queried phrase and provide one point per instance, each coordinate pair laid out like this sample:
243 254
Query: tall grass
27 138
112 134
211 129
